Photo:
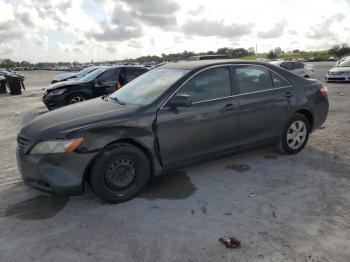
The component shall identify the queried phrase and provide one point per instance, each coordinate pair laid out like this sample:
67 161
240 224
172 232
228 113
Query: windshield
91 76
148 87
344 64
86 71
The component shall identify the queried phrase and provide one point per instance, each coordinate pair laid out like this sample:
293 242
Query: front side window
133 73
209 84
253 79
112 75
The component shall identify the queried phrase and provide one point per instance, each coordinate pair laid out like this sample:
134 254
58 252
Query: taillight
324 91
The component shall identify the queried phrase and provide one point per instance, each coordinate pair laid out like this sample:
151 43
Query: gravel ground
282 208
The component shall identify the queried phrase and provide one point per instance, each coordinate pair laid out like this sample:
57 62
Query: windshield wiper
116 100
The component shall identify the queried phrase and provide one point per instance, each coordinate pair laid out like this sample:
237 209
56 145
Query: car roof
119 66
190 65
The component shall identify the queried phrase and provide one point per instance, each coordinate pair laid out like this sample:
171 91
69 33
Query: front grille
22 142
336 79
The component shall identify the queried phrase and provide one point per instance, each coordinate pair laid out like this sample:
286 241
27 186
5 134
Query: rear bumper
61 174
320 113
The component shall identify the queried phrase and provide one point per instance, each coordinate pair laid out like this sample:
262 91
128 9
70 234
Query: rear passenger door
265 101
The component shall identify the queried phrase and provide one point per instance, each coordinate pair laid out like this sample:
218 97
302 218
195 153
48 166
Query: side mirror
180 101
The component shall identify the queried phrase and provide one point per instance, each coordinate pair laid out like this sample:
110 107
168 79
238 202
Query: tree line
336 51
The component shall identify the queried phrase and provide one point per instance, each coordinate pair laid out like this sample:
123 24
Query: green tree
339 51
271 55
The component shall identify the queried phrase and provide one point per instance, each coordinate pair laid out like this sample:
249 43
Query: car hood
340 69
64 84
64 76
58 123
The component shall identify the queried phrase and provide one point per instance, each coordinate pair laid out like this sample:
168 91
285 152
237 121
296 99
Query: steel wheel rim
120 174
77 99
296 134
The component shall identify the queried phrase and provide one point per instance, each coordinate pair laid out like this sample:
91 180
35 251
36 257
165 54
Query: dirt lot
282 208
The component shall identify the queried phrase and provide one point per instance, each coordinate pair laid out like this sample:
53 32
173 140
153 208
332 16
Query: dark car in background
102 81
170 117
73 76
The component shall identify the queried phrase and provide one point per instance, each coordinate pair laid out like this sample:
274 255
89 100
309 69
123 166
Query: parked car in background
8 72
339 73
174 115
101 81
207 57
297 67
343 59
73 76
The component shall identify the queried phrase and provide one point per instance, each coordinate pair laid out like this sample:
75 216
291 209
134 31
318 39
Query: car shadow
172 185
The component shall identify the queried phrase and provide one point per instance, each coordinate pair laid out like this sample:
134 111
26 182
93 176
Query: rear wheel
120 173
76 98
295 134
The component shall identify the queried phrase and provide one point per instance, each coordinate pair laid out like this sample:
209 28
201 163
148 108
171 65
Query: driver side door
209 126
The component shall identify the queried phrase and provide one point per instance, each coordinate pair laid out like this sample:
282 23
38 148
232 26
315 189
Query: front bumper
61 174
343 78
53 102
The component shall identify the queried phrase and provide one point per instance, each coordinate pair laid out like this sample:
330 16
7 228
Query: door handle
288 94
231 107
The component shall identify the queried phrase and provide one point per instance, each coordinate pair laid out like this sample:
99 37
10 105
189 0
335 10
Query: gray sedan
172 116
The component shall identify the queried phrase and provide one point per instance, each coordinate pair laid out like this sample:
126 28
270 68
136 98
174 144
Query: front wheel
295 134
120 173
76 98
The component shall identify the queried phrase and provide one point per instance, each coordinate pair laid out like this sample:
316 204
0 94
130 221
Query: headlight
56 146
57 92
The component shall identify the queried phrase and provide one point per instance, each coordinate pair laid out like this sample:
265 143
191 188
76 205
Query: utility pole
256 48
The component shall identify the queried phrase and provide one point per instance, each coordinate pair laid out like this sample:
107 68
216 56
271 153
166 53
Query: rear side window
112 75
298 65
132 73
209 84
253 79
287 66
279 81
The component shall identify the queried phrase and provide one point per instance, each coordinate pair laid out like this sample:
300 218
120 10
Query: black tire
76 98
120 164
293 142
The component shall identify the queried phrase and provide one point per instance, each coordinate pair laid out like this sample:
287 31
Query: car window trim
212 99
184 83
233 95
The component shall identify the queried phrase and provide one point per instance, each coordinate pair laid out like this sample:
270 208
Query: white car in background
339 73
297 67
343 59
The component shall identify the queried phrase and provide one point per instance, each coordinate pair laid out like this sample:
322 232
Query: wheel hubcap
77 99
296 134
120 174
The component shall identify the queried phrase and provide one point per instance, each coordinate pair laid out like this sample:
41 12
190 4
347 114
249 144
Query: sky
100 30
